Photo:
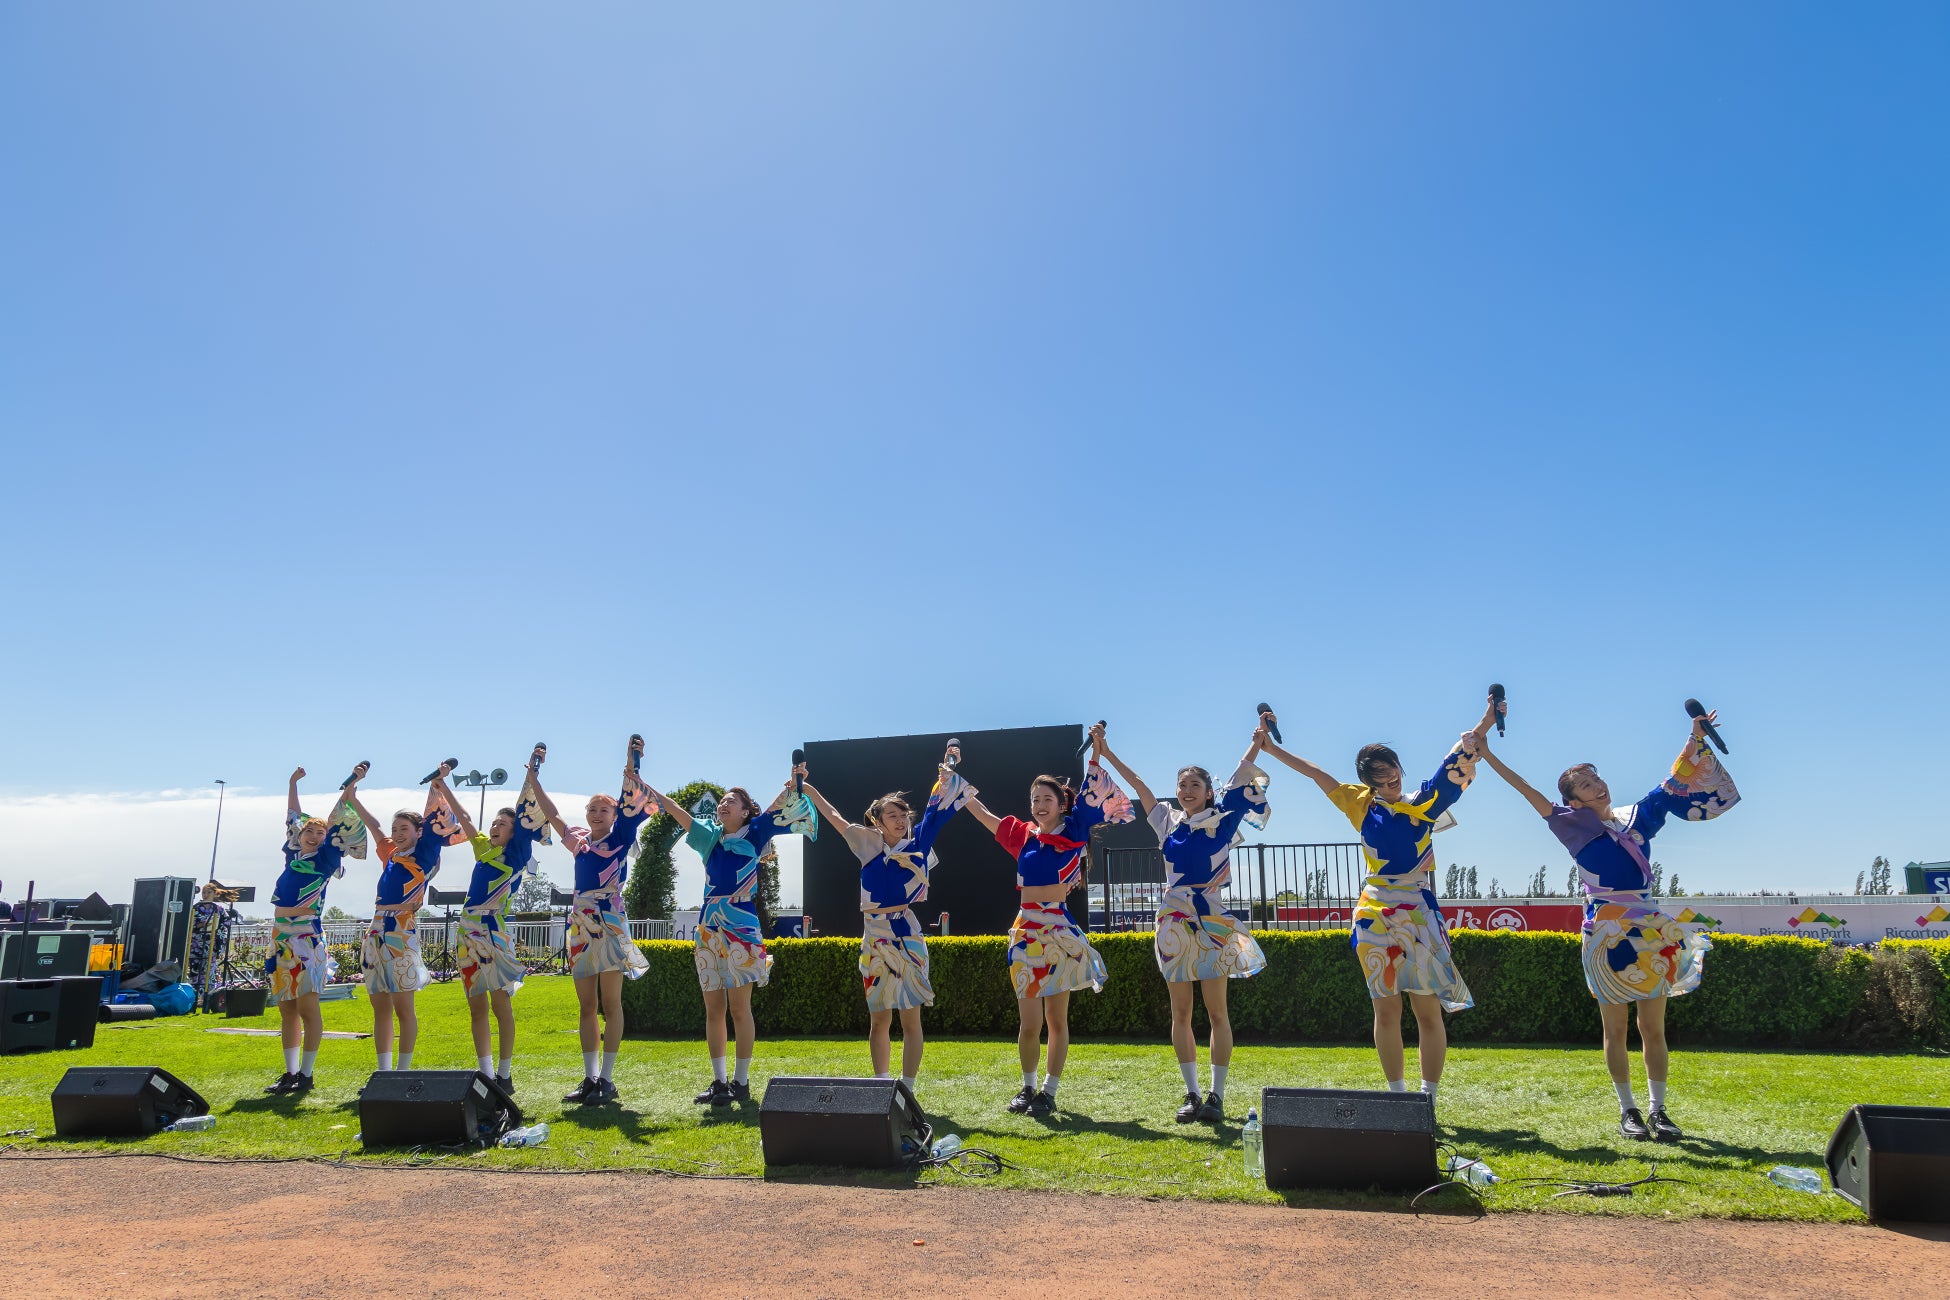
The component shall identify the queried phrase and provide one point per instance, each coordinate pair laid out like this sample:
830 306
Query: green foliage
1528 988
651 890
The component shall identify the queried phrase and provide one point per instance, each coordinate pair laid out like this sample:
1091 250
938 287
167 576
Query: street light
483 782
219 834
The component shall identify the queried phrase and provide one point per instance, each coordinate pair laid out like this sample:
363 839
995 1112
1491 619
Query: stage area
1542 1112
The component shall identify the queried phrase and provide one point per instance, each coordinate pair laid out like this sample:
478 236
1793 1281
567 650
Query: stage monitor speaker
853 1123
55 1014
1893 1161
235 1002
159 926
433 1108
121 1101
44 954
1343 1139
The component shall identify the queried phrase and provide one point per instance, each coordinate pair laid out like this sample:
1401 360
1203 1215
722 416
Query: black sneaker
709 1097
605 1093
721 1093
1663 1129
1019 1104
506 1082
299 1083
1189 1112
283 1083
740 1091
1042 1105
1214 1109
1632 1125
585 1093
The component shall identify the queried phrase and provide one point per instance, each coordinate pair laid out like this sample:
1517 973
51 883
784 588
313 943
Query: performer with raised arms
1634 954
601 953
1198 946
1049 956
490 970
390 955
896 856
300 965
1399 934
731 956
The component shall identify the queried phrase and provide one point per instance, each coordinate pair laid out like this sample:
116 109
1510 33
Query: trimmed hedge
1772 992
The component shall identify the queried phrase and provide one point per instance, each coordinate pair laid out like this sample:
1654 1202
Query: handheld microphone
952 758
1086 740
359 769
1496 696
440 771
798 782
539 755
1264 710
1697 710
636 752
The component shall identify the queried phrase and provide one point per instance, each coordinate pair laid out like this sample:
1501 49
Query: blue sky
384 384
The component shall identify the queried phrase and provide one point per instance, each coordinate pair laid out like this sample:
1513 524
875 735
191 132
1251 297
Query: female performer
896 857
1049 956
209 930
390 955
731 956
601 953
490 971
300 965
1198 946
1634 954
1399 934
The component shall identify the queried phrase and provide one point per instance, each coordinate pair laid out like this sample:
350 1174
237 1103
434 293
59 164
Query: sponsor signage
1865 920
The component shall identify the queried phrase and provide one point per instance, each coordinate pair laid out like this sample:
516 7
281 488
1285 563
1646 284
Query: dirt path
163 1229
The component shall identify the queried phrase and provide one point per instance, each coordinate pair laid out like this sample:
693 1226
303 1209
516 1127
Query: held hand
1097 741
535 759
297 775
1700 724
1488 723
1261 737
358 775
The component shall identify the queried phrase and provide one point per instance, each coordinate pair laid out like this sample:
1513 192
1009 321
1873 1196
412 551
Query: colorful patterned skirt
299 965
730 949
1049 954
1402 943
1634 952
599 938
894 961
390 954
1196 940
488 963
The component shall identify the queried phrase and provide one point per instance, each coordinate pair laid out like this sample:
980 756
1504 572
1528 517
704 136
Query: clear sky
389 383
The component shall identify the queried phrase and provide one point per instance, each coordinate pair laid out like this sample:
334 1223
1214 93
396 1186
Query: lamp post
483 782
219 835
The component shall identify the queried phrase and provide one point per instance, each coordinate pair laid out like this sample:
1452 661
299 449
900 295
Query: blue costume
299 963
599 936
893 952
1048 953
730 946
1196 940
488 961
390 953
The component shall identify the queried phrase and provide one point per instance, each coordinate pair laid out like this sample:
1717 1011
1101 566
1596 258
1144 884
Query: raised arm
455 806
1261 739
827 810
374 827
1537 801
291 804
980 813
1138 787
1318 776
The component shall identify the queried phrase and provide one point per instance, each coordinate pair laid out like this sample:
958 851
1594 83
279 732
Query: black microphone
951 756
437 772
539 754
1496 697
364 763
798 782
1086 739
636 752
1697 710
1272 726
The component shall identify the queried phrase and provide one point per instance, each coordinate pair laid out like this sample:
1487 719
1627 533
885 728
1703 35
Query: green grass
1532 1112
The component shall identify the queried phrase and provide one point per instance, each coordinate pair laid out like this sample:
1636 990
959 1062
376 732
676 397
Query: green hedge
1529 988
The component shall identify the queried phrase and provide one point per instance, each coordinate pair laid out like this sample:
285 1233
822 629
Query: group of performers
1634 954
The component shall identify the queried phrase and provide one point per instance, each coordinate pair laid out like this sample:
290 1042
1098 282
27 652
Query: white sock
291 1060
1049 1083
883 1075
1190 1070
406 1060
1657 1087
609 1065
507 1069
742 1069
1428 1088
717 1068
1398 1085
1029 1080
1626 1101
908 1079
306 1060
385 1060
486 1064
588 1065
1219 1080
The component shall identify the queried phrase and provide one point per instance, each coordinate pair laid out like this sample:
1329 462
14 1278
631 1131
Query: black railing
1272 887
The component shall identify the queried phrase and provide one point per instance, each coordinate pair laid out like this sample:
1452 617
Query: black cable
1598 1186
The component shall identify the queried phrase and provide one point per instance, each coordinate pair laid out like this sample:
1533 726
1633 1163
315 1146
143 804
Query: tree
1538 889
1879 876
535 892
1673 889
1858 882
1286 898
765 899
1571 882
336 913
1469 883
1496 888
1658 880
651 890
1451 880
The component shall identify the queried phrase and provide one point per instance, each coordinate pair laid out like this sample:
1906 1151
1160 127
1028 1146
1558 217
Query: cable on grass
1434 1189
1598 1187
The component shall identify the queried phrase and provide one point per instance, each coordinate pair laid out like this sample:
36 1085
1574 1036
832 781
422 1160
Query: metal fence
541 945
1272 886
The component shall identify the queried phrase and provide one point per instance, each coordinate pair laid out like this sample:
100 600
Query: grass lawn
1532 1112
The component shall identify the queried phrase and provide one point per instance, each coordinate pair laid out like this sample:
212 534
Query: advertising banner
1853 920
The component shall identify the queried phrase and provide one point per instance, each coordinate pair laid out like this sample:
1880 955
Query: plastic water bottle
532 1136
1472 1171
1249 1139
1796 1178
197 1123
947 1146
